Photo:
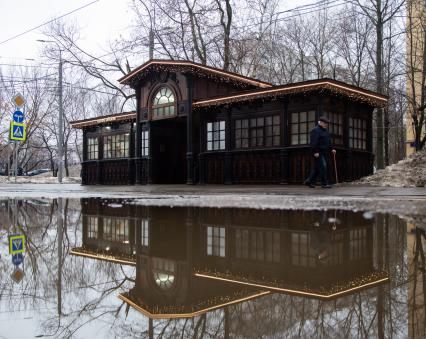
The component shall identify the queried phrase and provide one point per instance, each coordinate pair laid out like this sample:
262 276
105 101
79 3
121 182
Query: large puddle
113 269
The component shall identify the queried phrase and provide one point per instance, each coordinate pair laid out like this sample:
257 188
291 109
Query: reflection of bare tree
417 304
72 295
66 293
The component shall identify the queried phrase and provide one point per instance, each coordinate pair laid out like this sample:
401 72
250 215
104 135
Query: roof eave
373 99
127 79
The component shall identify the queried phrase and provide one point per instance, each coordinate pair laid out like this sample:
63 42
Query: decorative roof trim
297 292
187 315
103 120
373 98
254 82
97 256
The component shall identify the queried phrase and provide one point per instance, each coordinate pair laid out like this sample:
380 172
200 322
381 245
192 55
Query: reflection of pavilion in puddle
190 261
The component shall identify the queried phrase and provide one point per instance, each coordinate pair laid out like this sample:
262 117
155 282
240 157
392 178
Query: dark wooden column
189 131
347 164
370 140
100 157
138 143
84 172
229 132
148 163
131 173
370 131
285 142
202 148
84 145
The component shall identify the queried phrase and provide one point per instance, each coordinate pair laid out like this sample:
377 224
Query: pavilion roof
105 119
326 292
325 85
191 310
193 67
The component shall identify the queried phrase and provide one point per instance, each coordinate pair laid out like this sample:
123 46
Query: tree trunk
379 86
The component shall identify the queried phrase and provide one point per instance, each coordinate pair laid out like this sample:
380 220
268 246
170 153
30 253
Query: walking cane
335 166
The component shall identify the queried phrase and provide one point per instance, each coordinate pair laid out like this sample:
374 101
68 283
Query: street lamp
61 114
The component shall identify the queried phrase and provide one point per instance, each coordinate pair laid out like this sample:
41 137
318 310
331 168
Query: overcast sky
101 22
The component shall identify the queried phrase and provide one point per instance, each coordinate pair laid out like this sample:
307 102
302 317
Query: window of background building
163 104
216 241
216 135
301 125
258 132
92 148
116 146
357 133
145 143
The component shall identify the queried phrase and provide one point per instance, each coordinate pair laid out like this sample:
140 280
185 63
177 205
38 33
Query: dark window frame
257 132
301 127
145 143
92 148
111 142
163 110
215 135
358 133
335 127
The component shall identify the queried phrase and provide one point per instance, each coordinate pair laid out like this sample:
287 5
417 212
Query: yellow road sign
16 244
18 100
17 131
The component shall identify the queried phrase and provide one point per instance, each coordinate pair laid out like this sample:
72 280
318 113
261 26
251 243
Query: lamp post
61 114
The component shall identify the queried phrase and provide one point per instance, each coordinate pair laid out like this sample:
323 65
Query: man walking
321 145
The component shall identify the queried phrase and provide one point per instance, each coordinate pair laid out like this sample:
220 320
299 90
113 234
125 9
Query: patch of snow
409 172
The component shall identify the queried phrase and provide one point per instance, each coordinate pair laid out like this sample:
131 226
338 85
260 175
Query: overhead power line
48 22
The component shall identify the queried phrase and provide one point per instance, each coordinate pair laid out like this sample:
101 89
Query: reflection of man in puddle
321 240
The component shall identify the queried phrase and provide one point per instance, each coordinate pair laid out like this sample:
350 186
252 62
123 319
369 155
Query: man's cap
324 119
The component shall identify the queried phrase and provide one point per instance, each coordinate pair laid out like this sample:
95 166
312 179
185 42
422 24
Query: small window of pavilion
163 104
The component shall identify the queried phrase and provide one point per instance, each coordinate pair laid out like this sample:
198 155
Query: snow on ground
45 178
410 172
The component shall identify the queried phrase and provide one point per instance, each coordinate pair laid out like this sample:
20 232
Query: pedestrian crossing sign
16 244
17 131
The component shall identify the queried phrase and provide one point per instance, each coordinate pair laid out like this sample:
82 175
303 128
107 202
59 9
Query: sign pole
9 149
15 160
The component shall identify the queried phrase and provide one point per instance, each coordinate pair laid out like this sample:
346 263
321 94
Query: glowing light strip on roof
187 315
209 69
100 120
275 90
102 257
287 290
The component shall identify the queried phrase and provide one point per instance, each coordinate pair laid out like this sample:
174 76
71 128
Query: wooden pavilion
198 124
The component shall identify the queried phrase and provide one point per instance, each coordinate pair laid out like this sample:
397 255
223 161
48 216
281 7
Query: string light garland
322 86
103 255
142 72
107 119
189 311
325 292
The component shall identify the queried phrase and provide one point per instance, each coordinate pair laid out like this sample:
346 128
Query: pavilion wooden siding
109 172
265 166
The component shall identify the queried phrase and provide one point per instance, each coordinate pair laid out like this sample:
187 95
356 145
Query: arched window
163 104
164 271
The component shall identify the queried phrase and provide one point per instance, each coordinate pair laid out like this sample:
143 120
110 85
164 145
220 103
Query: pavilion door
168 147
